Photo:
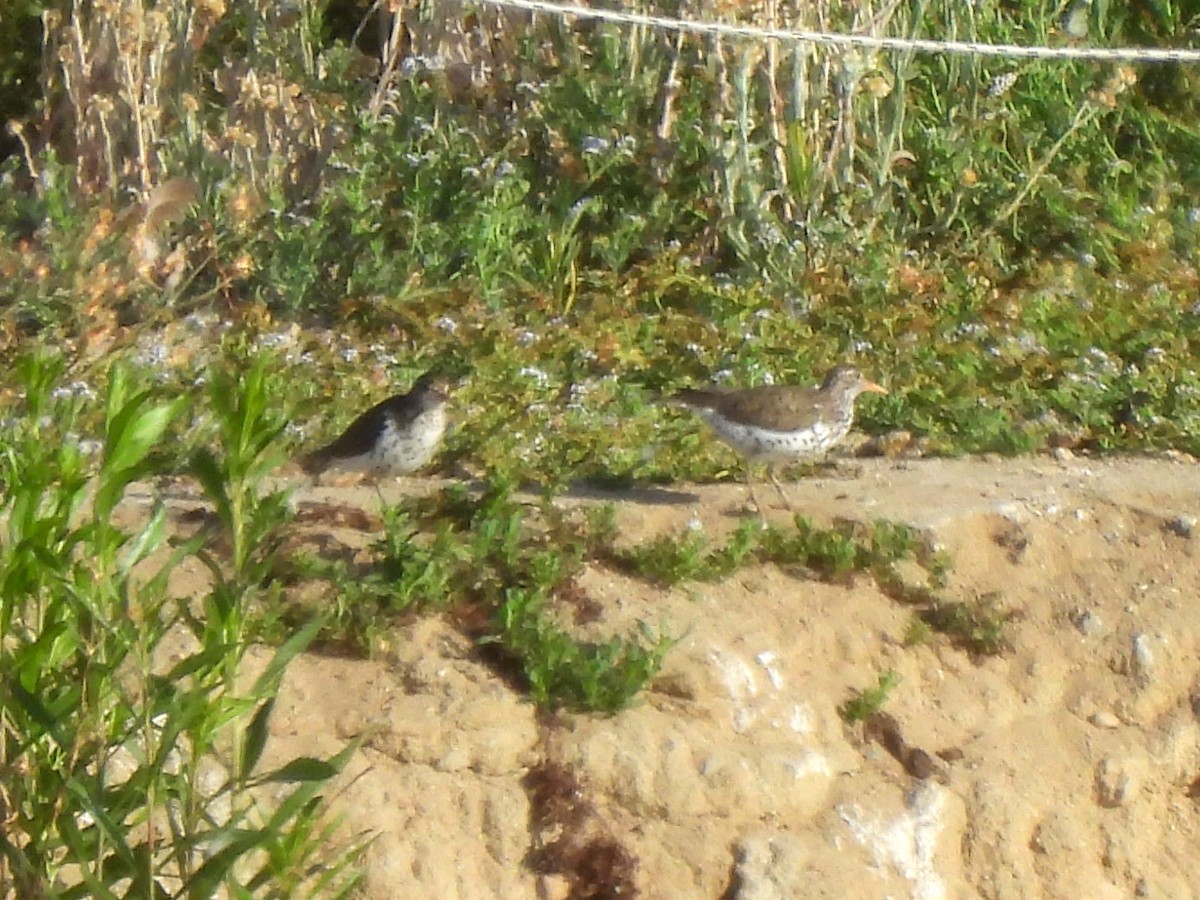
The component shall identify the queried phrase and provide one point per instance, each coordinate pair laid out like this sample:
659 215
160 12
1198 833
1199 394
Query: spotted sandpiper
395 437
781 423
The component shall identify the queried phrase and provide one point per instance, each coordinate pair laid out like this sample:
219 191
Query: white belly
413 448
402 451
765 445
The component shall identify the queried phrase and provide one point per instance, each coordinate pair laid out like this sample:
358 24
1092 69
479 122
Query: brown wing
778 407
360 437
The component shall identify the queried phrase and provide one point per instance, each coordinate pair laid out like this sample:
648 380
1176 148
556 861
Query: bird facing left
395 437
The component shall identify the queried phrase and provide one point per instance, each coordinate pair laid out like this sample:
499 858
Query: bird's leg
750 488
383 504
779 487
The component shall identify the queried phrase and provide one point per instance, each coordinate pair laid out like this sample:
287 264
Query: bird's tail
694 398
314 463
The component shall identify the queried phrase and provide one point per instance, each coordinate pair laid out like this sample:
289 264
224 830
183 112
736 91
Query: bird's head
849 381
434 386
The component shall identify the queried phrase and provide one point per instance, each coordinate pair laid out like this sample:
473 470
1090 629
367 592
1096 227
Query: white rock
1141 659
1104 719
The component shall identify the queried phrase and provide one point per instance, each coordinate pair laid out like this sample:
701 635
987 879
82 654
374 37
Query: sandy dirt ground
1068 767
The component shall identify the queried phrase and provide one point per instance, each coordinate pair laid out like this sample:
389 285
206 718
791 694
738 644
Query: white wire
968 48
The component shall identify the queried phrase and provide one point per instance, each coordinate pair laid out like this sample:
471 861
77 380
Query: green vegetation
977 625
601 215
866 703
224 219
832 554
87 618
829 553
126 774
504 571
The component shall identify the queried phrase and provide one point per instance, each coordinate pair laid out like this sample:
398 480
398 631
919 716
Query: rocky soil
1068 767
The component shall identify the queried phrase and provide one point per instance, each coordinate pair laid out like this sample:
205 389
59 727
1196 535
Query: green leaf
131 431
256 738
89 800
213 478
204 883
211 658
149 539
138 430
36 710
268 681
38 372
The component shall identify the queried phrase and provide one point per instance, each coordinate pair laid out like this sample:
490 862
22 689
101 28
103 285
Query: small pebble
1114 783
931 544
1182 526
1142 658
1088 623
1104 719
1063 454
921 765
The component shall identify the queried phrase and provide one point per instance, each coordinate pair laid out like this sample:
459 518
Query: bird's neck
844 404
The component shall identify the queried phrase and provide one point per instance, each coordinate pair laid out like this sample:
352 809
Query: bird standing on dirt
395 437
781 423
